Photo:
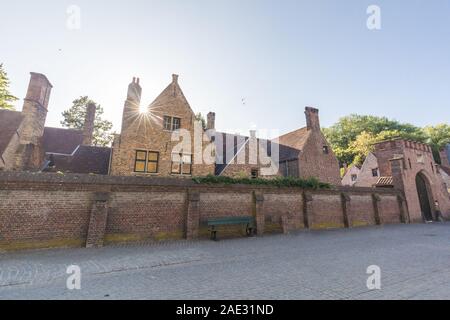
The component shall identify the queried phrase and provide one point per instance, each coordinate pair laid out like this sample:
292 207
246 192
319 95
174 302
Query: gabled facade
149 142
366 176
306 153
351 176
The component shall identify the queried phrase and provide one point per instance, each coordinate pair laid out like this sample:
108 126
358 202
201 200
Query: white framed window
171 123
181 164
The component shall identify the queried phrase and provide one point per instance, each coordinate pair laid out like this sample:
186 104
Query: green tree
199 117
74 118
352 135
361 147
6 98
438 137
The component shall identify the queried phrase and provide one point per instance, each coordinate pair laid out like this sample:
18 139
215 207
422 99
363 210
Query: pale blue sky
278 55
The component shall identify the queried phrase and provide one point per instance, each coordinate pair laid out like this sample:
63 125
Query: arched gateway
425 196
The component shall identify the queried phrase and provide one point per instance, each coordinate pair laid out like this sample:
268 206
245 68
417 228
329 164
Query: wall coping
89 179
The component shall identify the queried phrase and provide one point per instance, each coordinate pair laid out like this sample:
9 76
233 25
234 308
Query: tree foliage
74 118
6 98
352 137
438 137
201 118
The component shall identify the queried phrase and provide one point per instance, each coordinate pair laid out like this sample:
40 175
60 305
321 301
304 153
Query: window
152 163
375 172
325 150
141 160
354 177
176 124
146 161
254 173
167 123
420 158
181 164
172 123
409 162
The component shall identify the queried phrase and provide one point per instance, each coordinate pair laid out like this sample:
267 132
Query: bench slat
230 220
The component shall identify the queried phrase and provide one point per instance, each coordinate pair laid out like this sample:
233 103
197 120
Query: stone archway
425 197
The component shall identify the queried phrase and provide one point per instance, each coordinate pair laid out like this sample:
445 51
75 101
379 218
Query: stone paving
414 262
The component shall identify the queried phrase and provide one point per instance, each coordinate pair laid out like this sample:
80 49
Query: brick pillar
347 210
97 222
259 213
308 210
397 168
193 215
376 210
404 217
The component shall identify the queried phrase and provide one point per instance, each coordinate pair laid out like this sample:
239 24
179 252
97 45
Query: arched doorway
425 197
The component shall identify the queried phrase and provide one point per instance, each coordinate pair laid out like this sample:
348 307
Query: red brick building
409 166
148 144
26 144
148 139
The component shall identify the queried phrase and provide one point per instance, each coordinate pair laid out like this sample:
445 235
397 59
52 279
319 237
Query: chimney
445 161
175 78
134 91
88 129
132 104
312 118
35 108
211 121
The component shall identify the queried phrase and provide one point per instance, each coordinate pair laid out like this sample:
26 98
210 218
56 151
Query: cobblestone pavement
414 262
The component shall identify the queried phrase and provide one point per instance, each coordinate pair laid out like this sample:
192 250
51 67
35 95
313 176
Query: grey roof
9 124
225 154
62 141
85 159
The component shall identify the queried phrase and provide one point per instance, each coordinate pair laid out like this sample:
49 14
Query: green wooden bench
248 221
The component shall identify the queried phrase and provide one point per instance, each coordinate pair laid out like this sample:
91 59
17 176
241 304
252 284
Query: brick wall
327 211
51 210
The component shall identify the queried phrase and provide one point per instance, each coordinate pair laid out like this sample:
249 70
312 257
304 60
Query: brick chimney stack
134 91
132 104
211 121
312 118
35 108
88 129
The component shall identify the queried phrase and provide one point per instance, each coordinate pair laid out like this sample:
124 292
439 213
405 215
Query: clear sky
279 56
